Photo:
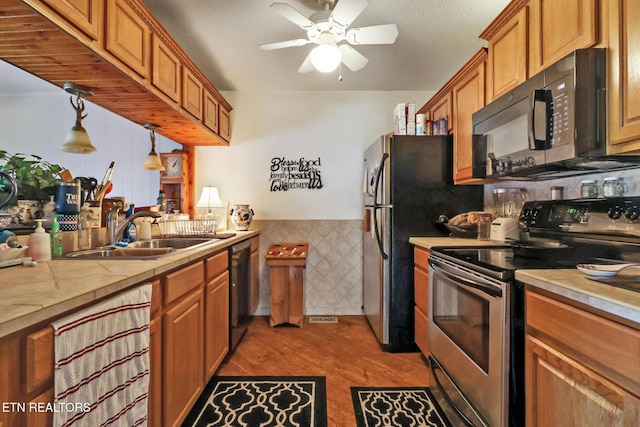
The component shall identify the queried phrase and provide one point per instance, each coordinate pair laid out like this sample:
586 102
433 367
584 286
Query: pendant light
77 140
153 160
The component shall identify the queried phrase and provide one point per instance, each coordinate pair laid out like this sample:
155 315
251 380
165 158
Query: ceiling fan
327 29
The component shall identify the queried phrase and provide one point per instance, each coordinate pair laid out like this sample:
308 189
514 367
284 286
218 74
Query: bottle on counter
162 201
39 244
55 238
84 227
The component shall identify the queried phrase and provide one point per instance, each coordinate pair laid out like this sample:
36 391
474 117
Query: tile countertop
615 302
29 295
429 242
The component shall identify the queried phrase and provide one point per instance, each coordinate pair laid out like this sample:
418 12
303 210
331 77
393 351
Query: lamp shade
210 198
77 141
326 57
153 162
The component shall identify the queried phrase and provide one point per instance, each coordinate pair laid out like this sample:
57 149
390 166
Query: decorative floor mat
261 401
397 407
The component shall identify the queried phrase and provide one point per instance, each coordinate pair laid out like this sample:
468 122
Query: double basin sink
143 249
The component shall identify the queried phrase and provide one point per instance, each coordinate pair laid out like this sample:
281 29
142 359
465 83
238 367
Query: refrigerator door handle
376 206
377 231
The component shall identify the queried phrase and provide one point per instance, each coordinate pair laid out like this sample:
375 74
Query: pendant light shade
153 161
77 140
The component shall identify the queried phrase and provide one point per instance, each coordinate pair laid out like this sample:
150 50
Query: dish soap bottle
39 244
84 228
56 238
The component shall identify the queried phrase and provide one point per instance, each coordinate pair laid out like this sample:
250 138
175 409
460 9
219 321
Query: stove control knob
526 213
615 212
632 213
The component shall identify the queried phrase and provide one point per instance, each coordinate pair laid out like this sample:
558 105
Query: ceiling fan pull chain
340 73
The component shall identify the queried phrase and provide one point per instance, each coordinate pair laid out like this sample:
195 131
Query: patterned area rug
261 401
397 407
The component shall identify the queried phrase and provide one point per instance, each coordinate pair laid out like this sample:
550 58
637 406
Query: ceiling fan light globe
326 58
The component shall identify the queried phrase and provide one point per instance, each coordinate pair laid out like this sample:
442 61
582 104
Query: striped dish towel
102 363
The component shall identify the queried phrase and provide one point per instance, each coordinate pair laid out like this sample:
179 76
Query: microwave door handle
540 132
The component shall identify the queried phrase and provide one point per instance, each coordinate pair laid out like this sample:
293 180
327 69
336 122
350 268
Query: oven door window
463 315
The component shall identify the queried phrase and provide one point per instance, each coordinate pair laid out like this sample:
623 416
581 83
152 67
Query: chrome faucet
114 230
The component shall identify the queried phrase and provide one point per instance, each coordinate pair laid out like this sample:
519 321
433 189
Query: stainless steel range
476 313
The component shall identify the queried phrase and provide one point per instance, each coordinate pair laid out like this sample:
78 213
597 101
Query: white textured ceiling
436 37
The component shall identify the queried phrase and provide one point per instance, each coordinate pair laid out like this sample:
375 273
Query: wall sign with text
295 174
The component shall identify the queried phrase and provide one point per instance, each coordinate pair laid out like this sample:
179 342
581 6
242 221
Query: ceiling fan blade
280 45
377 34
293 15
306 66
346 11
353 59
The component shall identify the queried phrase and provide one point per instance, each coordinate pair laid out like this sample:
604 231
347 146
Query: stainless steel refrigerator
408 184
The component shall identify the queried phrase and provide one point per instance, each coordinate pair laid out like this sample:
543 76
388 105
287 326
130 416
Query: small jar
589 189
557 192
613 187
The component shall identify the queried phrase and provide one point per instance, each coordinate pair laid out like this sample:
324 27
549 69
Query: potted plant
36 180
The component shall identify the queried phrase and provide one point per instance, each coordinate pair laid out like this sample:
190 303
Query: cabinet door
183 357
191 93
443 109
128 36
216 323
561 391
86 15
557 28
155 368
468 97
165 69
210 119
507 60
224 129
623 56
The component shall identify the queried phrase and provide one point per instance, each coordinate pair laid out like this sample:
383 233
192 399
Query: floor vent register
323 319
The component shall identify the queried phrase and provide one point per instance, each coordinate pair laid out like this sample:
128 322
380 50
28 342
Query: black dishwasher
240 291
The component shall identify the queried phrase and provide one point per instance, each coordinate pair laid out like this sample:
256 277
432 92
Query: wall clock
173 164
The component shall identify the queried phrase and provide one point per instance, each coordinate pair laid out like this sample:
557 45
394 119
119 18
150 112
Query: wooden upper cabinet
557 28
210 118
191 93
623 57
507 60
468 97
128 37
443 109
86 15
224 124
165 69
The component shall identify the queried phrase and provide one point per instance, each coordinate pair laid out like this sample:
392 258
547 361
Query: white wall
335 126
37 123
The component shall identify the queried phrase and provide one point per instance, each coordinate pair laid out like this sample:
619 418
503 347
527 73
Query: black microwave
552 125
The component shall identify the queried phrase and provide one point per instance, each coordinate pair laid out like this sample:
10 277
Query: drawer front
182 281
421 288
39 359
421 257
217 264
604 345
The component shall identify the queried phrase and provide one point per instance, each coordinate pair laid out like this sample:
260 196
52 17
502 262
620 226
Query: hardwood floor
346 353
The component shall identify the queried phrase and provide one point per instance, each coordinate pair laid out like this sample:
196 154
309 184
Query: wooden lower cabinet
216 343
183 357
155 378
581 369
421 295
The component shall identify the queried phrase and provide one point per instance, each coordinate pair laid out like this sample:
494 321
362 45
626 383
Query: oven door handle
479 284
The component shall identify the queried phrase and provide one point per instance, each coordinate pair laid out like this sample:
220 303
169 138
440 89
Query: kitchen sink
142 249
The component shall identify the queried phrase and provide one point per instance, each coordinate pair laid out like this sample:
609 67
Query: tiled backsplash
333 273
